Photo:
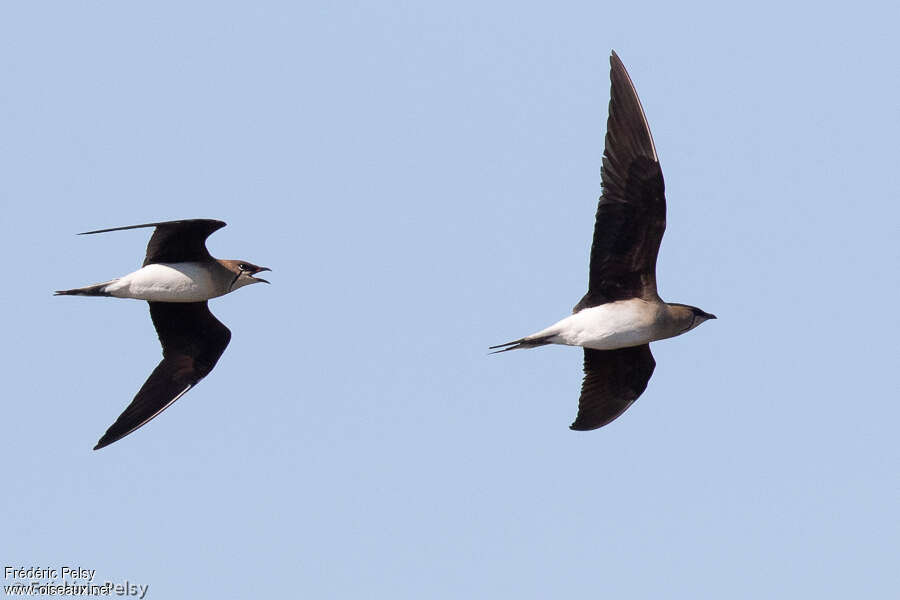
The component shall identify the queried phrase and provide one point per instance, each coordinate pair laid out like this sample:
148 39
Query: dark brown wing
192 340
175 241
631 214
613 380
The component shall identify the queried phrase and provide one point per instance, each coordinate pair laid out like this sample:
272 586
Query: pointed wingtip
106 439
630 110
216 222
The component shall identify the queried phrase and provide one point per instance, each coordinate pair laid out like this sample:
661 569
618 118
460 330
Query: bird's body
177 279
171 282
621 313
615 325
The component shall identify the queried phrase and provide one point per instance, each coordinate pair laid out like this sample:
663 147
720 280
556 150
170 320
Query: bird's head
244 272
691 315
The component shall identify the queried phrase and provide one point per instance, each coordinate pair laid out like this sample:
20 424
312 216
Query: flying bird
177 278
622 312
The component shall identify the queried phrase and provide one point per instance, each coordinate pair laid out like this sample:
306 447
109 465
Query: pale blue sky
422 179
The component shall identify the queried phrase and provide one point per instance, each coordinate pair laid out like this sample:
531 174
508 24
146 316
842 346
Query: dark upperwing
613 380
631 214
175 241
192 341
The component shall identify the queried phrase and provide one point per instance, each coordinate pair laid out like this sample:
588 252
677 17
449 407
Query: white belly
609 326
176 282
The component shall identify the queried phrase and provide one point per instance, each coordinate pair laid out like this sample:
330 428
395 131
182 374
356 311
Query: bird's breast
173 282
613 325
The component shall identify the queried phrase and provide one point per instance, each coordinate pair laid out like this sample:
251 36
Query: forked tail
521 343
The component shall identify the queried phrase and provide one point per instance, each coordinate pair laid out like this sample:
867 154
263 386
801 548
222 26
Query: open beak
260 270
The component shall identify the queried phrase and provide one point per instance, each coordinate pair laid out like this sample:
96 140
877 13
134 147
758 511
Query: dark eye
243 267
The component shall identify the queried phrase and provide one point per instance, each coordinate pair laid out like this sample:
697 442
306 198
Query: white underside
609 326
175 282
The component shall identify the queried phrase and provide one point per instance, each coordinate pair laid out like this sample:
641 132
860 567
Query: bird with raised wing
622 312
177 278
